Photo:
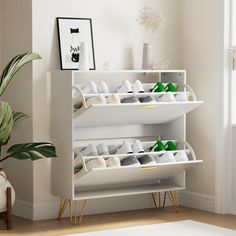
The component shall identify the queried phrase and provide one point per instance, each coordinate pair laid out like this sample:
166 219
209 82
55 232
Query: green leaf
6 122
18 116
33 151
13 66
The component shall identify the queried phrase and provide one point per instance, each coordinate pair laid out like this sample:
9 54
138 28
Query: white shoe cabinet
111 124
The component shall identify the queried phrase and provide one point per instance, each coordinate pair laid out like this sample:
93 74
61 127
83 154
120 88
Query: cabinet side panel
62 134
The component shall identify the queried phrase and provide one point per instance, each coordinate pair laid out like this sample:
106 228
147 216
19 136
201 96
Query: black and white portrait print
72 32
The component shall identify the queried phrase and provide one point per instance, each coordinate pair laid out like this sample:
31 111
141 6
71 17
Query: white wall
201 58
16 38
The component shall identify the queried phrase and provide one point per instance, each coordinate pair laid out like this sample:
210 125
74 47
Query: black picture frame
65 28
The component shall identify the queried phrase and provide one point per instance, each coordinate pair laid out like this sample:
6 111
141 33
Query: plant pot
4 184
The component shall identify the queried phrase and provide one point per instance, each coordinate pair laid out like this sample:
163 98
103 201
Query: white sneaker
113 99
166 97
138 147
181 97
90 88
113 162
100 99
125 87
104 87
181 156
138 87
166 157
93 87
125 148
102 149
96 163
90 150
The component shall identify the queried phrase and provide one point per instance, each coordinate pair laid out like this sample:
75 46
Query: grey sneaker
132 99
147 99
146 160
130 161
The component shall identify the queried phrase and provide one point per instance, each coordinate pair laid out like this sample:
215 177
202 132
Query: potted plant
8 119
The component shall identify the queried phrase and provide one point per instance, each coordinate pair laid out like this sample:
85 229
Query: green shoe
157 147
159 87
170 88
170 146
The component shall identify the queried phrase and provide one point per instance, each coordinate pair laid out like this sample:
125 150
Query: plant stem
3 159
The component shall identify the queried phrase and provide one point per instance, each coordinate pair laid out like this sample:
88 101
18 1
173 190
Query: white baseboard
199 201
23 209
42 211
233 212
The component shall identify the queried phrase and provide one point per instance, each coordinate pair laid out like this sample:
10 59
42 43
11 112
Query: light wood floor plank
116 220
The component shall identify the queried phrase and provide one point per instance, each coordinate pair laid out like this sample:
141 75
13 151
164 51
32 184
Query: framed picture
72 33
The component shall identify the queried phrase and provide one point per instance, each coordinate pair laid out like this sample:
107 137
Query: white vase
147 61
4 184
84 57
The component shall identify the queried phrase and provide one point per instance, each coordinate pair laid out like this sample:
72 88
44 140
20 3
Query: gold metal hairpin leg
164 201
62 208
75 212
82 211
73 209
173 200
154 200
70 208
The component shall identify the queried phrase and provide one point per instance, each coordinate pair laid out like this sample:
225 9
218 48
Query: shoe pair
134 99
127 148
159 87
126 87
137 161
101 99
166 157
102 163
95 150
93 88
170 97
160 146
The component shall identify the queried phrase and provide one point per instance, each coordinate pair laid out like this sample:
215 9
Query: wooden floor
116 220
